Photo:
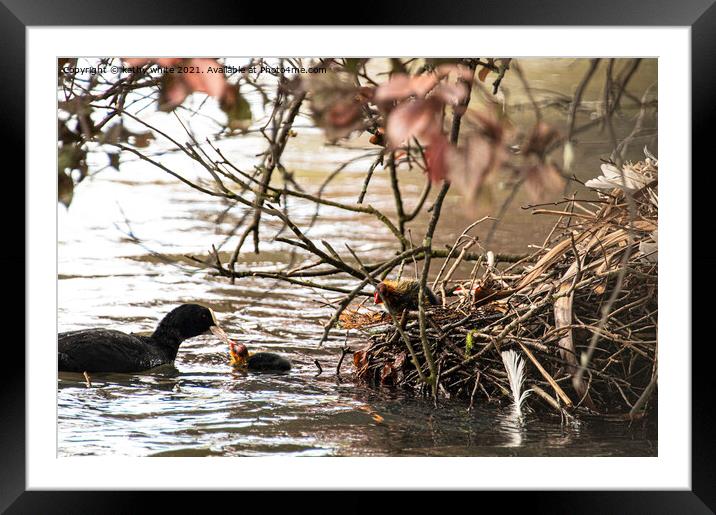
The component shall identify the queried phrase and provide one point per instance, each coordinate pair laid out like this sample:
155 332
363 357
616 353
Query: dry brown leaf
387 374
360 359
483 73
378 138
355 319
400 360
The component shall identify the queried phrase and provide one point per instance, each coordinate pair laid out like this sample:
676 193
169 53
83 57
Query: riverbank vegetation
582 308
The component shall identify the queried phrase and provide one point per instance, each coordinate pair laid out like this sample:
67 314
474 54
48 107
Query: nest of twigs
582 312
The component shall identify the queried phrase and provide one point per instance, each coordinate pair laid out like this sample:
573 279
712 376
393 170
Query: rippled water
200 406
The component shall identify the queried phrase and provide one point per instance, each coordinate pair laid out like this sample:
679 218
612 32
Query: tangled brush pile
582 310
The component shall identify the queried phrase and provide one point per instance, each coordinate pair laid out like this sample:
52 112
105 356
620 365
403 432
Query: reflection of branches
578 93
528 92
620 87
608 119
620 150
502 211
627 76
129 233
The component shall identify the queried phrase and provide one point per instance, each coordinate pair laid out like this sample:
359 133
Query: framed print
417 252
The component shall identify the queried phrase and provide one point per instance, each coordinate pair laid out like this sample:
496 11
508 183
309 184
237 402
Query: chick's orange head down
238 353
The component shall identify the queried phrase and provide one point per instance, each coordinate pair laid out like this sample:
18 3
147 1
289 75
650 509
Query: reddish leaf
175 86
136 61
365 94
451 94
337 104
343 114
414 119
173 91
161 61
461 72
401 86
419 117
471 164
167 61
436 155
482 154
200 79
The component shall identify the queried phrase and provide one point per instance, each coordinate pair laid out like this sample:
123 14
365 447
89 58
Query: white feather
625 179
568 158
515 367
490 259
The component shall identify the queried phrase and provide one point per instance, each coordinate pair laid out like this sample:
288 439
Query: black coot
105 350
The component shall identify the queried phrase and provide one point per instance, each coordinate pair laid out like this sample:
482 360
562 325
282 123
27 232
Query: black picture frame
17 15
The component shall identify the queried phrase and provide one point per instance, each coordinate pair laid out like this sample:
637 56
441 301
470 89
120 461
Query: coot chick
402 294
259 362
105 350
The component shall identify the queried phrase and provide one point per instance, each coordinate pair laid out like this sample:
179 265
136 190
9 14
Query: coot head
238 353
189 320
380 290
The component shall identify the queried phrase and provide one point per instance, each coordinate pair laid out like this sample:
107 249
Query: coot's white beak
218 331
